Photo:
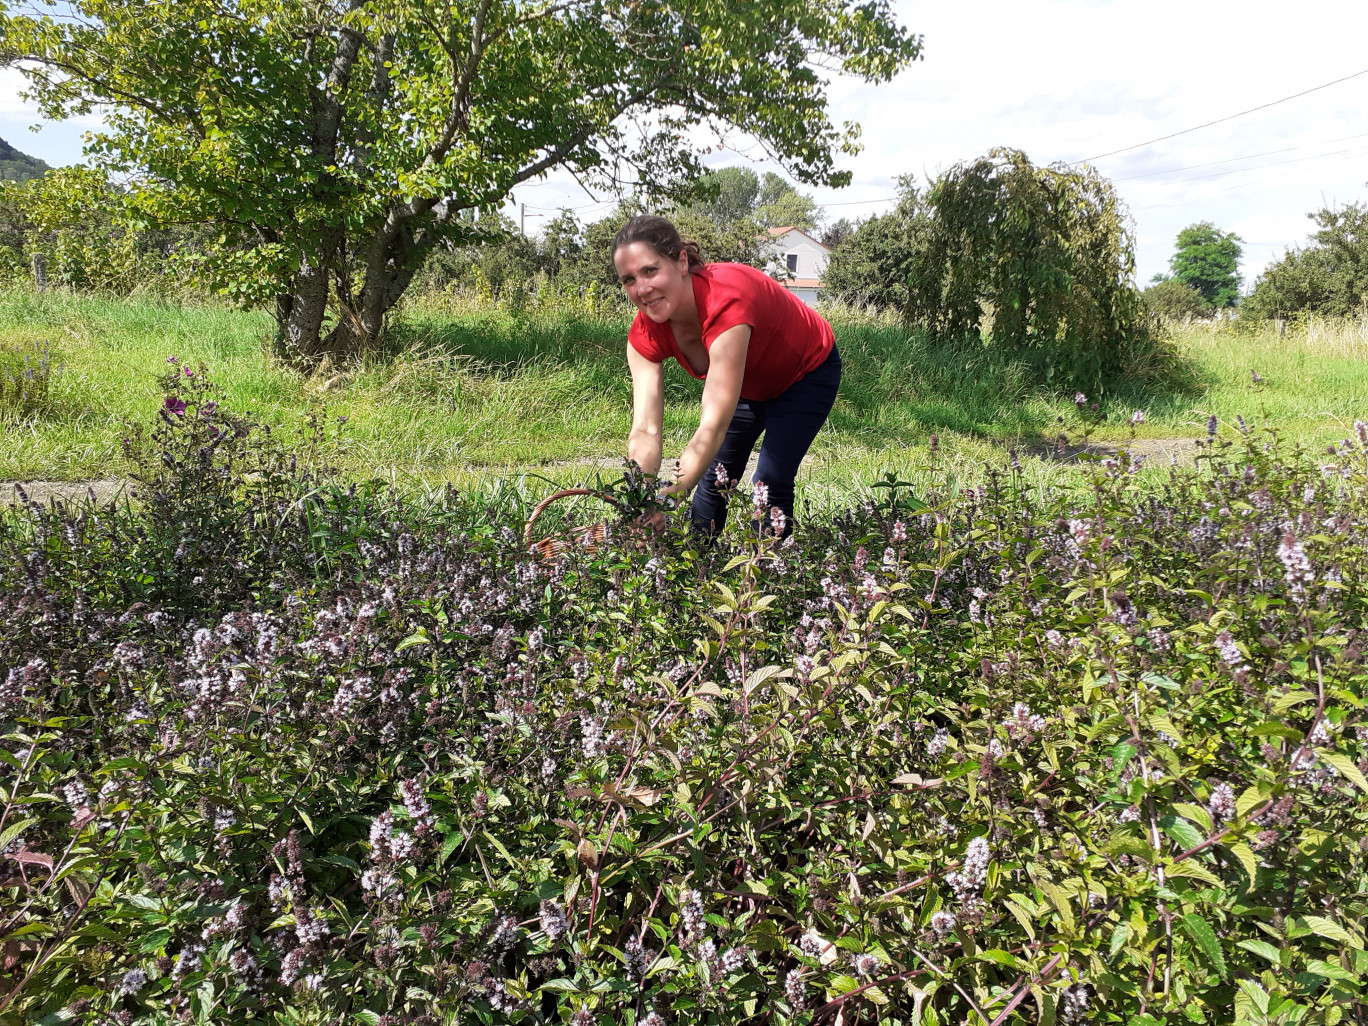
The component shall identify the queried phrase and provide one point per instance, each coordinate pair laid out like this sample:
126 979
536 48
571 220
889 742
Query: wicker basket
588 537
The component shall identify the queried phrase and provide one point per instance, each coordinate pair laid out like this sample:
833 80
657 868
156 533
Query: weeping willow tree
1036 260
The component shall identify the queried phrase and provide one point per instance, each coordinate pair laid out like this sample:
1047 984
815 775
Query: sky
1068 80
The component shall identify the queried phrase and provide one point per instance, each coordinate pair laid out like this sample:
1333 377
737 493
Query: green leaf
1195 813
1245 855
1330 970
1187 835
1000 957
450 844
1251 798
1059 898
560 985
419 637
1126 843
1345 765
1019 914
1192 869
1205 938
1160 722
1331 930
1254 994
1264 949
14 830
1290 700
1120 935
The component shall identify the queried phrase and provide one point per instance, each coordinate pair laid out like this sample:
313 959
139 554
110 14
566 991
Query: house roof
775 233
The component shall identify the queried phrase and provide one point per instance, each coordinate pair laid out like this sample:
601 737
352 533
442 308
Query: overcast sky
1071 79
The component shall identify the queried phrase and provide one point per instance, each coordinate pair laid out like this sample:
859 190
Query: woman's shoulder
644 337
724 273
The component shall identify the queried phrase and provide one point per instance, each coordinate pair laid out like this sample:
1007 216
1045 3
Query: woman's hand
670 497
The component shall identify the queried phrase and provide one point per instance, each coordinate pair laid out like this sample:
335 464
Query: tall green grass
466 390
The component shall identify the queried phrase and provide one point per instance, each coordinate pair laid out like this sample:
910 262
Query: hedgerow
281 751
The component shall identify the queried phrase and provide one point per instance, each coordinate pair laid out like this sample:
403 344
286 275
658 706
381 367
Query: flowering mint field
281 751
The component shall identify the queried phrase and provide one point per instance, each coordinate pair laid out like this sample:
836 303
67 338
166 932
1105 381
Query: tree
1046 250
19 167
1207 260
725 195
335 143
870 265
835 234
1329 277
1173 300
507 261
780 205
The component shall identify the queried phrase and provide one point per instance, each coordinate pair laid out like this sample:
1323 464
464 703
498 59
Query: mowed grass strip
471 393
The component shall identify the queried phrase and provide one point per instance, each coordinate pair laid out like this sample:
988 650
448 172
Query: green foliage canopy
1046 250
870 262
335 145
1329 277
1207 260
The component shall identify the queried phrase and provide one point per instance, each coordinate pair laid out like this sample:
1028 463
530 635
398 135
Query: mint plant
1091 755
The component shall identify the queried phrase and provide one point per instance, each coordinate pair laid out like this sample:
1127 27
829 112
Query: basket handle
564 493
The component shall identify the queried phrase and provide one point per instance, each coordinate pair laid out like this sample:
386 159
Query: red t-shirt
788 338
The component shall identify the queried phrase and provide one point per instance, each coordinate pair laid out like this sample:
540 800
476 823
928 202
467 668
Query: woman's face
655 283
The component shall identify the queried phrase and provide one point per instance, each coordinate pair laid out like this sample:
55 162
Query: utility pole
522 219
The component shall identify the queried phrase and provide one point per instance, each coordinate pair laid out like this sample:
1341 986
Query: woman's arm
648 411
721 391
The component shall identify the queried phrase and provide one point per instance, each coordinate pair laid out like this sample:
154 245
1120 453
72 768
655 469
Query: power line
1260 167
1218 121
1244 185
1247 156
1193 167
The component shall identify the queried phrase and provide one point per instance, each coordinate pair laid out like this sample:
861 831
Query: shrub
870 266
1329 277
1172 300
996 754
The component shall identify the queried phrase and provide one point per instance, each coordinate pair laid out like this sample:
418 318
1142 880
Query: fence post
40 271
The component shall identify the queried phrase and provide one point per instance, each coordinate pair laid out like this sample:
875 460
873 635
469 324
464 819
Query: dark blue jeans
789 421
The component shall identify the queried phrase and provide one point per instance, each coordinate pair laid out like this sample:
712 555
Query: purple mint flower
1222 802
173 359
174 404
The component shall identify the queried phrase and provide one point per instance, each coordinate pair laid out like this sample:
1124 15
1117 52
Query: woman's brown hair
661 235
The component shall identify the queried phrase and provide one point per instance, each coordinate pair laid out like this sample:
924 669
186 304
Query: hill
17 166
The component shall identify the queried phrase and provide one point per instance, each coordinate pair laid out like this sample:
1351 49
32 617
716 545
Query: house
798 261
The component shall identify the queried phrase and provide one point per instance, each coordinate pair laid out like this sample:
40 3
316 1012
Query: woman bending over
768 362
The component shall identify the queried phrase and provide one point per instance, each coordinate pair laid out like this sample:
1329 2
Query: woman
768 362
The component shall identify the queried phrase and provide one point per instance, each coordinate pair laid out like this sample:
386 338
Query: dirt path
40 492
1153 450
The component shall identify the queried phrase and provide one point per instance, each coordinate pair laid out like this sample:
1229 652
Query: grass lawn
467 394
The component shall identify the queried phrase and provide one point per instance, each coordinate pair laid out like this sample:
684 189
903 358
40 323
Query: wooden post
40 271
